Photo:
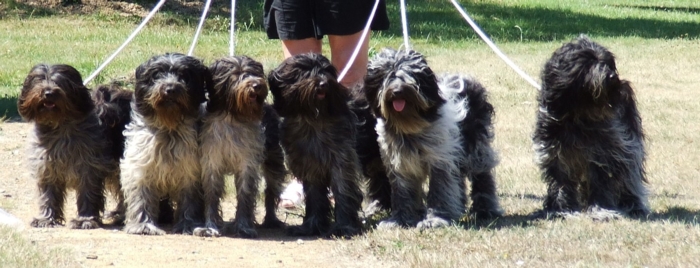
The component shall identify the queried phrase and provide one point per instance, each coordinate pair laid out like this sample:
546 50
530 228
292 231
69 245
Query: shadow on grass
676 214
8 107
691 10
436 20
505 221
441 21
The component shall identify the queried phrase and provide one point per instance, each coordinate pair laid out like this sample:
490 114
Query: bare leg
301 46
342 47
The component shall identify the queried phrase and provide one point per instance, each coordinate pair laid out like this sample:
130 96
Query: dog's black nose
48 93
169 90
323 84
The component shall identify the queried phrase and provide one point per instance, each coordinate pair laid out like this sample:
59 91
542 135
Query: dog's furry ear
214 101
377 71
202 71
630 114
275 83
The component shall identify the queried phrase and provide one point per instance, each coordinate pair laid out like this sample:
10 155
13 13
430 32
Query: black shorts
301 19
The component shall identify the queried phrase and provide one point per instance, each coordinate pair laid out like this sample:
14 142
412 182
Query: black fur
589 135
318 136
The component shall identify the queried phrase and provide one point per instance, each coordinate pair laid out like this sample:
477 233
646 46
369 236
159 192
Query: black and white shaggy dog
431 128
75 143
161 158
588 138
239 137
318 136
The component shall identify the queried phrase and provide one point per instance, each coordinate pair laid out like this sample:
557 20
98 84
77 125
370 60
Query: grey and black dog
161 158
588 138
433 128
239 137
318 136
76 143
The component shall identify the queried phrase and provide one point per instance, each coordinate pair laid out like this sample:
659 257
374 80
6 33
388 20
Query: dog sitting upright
239 137
75 143
318 136
429 128
589 138
161 159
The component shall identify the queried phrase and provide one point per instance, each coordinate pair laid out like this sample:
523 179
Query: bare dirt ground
109 246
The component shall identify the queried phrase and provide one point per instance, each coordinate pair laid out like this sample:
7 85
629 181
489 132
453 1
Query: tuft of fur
427 127
367 148
239 137
75 143
589 138
317 133
161 158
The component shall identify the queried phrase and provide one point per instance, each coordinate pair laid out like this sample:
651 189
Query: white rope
233 23
360 43
404 23
128 40
494 47
199 27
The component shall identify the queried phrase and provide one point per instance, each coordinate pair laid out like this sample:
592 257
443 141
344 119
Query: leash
128 40
404 24
359 44
494 47
233 22
199 27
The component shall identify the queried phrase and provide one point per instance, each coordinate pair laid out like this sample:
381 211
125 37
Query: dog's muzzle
321 89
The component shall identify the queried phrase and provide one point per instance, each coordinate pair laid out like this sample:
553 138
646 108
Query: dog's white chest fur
159 159
439 144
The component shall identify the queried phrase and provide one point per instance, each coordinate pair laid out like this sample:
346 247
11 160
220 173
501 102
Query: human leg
342 47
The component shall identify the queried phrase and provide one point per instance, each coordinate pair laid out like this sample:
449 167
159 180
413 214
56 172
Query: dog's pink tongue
399 104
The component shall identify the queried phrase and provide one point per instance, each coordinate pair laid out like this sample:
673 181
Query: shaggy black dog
588 138
429 128
239 137
76 143
161 158
318 135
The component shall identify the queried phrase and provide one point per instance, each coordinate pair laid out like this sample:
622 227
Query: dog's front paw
433 222
242 229
184 227
206 232
388 224
45 223
84 223
598 213
143 228
116 216
272 223
486 214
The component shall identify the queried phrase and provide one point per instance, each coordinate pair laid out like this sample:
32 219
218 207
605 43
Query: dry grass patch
16 251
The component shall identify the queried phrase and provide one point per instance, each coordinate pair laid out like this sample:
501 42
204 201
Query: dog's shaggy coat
161 159
75 143
318 136
430 128
588 138
239 137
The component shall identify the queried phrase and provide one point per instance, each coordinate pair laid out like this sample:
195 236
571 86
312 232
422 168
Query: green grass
656 45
